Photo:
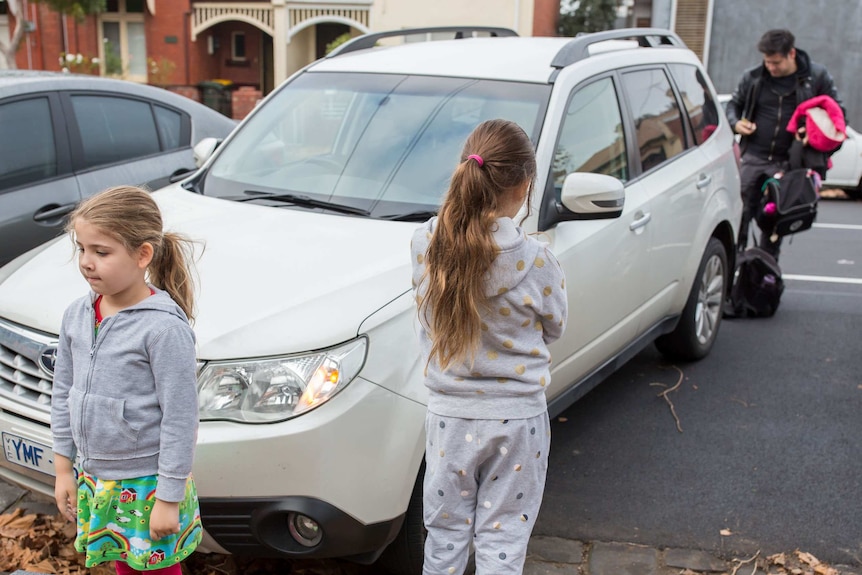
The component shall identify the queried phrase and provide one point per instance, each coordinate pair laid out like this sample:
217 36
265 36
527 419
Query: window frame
719 110
123 18
233 52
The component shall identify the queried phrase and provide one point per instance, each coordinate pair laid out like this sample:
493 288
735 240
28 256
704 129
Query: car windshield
384 143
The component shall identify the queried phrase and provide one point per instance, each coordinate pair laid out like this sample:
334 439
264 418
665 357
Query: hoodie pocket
106 433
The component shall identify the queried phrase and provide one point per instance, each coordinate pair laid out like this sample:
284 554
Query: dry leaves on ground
44 544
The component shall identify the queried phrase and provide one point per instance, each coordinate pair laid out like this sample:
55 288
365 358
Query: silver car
64 137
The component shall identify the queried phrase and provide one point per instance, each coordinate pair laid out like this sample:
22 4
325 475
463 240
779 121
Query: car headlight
276 389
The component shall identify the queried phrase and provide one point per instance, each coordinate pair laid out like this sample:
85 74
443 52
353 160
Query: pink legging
123 569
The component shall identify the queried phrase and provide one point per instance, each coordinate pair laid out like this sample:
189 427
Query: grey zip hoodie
527 309
126 400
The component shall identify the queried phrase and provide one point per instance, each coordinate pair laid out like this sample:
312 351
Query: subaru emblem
47 360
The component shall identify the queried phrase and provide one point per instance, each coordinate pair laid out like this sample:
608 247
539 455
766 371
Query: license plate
27 453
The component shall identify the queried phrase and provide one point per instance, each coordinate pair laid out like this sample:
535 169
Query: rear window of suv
384 143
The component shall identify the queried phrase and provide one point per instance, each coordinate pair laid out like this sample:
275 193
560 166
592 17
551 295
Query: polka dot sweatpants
484 480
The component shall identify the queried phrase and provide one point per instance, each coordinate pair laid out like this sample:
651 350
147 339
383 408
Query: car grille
21 379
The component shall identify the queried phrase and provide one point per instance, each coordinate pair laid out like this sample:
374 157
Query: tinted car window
169 123
591 139
114 129
31 155
697 99
658 120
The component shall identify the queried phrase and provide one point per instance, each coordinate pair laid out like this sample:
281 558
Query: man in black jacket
759 111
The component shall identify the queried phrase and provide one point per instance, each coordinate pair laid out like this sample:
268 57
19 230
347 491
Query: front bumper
259 528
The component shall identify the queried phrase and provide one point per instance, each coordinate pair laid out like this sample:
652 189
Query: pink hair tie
478 159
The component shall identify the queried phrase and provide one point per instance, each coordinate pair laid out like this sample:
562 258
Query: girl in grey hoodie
124 401
490 299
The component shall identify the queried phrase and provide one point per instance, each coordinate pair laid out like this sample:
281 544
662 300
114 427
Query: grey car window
591 138
169 123
697 99
658 119
114 129
31 155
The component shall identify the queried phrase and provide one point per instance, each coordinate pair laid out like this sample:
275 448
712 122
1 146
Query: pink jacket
824 123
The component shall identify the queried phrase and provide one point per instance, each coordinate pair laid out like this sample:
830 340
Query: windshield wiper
417 216
304 201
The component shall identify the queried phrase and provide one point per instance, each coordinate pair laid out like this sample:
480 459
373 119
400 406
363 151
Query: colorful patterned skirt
114 523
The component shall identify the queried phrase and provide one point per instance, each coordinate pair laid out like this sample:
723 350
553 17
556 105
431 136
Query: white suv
311 395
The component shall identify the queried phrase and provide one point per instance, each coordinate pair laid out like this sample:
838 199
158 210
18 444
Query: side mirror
204 149
595 196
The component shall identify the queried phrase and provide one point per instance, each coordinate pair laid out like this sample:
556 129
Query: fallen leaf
726 532
807 558
777 559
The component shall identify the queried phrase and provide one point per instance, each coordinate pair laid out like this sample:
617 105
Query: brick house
255 45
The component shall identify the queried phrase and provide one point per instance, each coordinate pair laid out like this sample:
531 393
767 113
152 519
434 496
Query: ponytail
170 271
497 157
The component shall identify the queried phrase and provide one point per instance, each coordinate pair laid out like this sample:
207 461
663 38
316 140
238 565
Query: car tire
406 553
694 335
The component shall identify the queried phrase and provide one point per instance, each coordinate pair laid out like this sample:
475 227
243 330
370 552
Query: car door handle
703 181
53 212
640 222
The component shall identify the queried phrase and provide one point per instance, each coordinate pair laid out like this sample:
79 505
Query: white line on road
838 226
824 279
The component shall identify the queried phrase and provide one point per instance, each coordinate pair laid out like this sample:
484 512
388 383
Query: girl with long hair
490 299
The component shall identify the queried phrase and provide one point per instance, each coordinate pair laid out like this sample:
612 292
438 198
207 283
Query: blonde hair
462 248
131 216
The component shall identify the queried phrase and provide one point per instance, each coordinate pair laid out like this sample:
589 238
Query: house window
237 43
124 45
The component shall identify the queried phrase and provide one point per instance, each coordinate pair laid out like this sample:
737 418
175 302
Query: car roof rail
579 47
369 40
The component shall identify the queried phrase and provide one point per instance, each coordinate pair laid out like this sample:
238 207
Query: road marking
839 226
824 279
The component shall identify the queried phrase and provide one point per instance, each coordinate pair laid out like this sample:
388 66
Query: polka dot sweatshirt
527 309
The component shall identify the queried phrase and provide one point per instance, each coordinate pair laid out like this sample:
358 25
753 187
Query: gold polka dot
459 379
520 369
520 265
539 263
442 453
538 326
497 525
445 516
502 380
528 300
420 258
484 326
475 374
508 344
526 323
518 467
561 323
547 290
493 354
502 290
451 569
523 517
462 472
468 521
563 284
505 311
480 392
534 351
538 454
428 235
542 381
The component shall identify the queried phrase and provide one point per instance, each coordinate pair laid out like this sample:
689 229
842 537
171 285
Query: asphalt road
770 447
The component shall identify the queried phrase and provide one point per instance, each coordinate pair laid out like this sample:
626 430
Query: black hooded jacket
772 139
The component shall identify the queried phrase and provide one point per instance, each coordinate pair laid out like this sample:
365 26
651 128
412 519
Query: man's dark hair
776 42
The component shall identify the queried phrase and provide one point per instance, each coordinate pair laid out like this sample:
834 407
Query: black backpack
757 285
789 203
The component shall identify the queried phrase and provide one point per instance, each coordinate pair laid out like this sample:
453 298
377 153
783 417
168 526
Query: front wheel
695 333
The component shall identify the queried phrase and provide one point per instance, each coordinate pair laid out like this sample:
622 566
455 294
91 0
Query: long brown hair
462 248
131 216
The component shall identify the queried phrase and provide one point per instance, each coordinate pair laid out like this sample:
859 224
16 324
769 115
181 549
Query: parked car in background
64 137
846 170
311 394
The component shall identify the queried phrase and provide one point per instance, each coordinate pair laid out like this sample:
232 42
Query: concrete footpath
547 555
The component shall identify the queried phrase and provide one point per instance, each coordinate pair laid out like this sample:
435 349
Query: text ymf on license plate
30 454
